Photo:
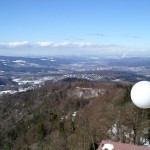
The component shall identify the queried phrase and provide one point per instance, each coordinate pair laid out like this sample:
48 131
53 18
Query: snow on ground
117 80
13 91
44 59
7 92
19 61
113 131
23 63
145 142
74 114
52 59
4 63
108 147
23 82
34 82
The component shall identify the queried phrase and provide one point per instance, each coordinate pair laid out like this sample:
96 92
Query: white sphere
140 94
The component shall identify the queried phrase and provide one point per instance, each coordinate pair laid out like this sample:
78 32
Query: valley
18 74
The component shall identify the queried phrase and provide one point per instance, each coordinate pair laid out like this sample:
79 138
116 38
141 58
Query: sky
74 27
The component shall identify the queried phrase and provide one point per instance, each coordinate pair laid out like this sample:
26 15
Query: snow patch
108 146
19 61
116 80
7 92
44 59
2 60
53 60
74 114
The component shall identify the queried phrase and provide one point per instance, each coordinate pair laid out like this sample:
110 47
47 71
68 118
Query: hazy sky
69 26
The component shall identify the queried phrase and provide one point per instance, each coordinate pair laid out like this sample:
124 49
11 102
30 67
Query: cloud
97 34
43 44
14 44
26 48
133 36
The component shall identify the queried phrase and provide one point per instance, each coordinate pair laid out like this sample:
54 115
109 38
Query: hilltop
71 114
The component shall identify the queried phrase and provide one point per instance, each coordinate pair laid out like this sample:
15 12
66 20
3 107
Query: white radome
140 94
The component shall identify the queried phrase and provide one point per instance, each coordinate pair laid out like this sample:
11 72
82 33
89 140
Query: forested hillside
71 115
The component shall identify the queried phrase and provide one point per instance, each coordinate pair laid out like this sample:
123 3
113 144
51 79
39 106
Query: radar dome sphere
140 94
